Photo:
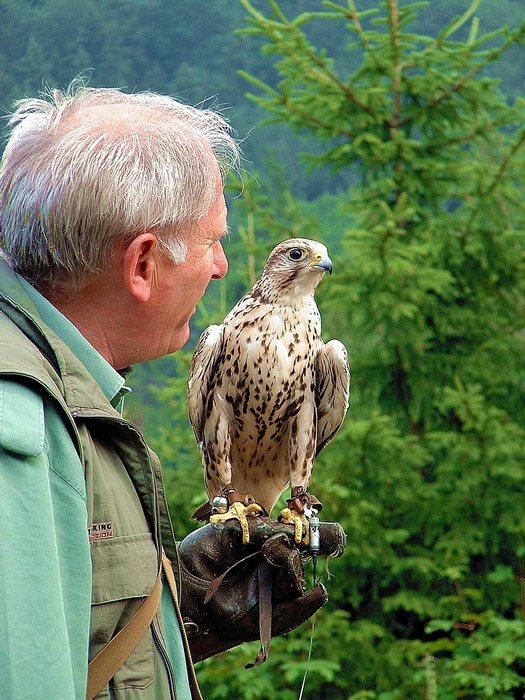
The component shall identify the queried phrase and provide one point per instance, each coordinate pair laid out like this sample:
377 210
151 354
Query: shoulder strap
109 659
170 577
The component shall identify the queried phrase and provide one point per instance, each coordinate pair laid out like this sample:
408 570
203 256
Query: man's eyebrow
225 232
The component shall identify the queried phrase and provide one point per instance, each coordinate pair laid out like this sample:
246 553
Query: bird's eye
296 254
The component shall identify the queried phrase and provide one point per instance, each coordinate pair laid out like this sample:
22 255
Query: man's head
86 172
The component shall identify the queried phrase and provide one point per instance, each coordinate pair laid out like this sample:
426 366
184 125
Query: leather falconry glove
234 593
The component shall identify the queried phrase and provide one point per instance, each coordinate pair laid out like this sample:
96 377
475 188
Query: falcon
266 394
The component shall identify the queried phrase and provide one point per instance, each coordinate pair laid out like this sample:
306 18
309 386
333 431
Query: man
111 215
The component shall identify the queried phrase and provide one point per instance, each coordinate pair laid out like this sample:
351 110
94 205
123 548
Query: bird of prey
266 394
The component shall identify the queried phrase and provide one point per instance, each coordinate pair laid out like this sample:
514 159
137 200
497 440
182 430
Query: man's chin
181 338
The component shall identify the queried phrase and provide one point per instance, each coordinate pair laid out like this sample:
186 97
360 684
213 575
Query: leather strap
111 657
168 570
265 612
214 585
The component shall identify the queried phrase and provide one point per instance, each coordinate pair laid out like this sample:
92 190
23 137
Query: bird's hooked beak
321 263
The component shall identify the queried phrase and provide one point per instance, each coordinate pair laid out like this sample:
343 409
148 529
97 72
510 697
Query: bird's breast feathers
271 344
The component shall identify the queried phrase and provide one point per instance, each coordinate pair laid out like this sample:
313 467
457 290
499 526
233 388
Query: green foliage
426 475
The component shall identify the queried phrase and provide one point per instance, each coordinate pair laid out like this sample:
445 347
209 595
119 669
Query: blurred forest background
396 137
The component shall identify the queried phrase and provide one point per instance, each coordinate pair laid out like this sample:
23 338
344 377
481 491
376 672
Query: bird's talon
285 516
290 516
253 509
240 512
299 530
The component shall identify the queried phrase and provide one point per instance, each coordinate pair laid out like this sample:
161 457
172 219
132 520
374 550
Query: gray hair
90 168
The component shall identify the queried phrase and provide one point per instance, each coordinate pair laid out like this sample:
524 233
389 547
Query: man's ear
139 266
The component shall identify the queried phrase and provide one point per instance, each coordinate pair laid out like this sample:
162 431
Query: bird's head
297 264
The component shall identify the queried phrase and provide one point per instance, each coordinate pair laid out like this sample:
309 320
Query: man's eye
296 254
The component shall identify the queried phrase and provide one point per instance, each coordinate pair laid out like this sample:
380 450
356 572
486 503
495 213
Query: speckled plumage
265 394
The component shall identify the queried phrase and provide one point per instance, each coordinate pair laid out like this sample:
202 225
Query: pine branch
496 180
456 24
290 29
354 15
492 56
470 413
504 165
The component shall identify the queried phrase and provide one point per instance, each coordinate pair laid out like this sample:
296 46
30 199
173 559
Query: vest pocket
124 573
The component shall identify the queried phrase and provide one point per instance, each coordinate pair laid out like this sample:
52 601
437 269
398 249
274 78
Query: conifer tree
427 474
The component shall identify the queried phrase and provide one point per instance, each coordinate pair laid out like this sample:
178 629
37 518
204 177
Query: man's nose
220 263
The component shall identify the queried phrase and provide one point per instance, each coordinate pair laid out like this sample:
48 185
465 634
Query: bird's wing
332 390
202 371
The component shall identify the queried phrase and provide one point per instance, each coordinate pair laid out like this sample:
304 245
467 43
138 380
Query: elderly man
112 214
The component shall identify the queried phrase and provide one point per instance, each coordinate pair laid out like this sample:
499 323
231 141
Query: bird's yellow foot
300 522
238 511
301 507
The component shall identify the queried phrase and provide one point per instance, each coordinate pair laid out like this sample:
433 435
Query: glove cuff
285 617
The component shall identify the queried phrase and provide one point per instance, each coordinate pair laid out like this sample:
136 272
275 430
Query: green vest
128 520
